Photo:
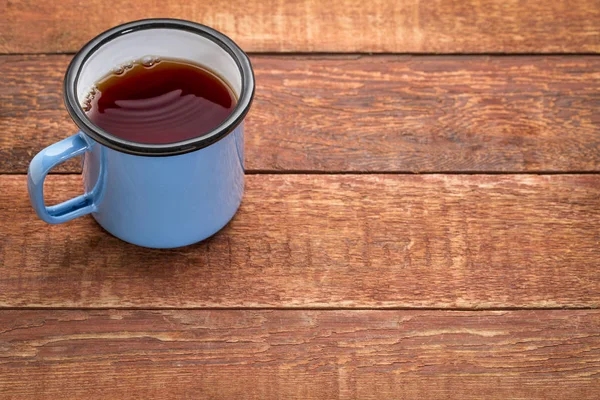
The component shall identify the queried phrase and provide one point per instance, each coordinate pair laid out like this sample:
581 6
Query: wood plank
414 26
327 241
382 113
300 354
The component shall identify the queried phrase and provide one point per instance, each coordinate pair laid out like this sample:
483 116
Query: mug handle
39 167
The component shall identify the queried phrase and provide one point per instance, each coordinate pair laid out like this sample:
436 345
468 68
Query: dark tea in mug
156 101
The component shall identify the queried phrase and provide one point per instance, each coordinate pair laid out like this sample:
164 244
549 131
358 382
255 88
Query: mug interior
158 38
162 43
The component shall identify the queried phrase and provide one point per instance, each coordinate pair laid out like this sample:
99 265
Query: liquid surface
160 101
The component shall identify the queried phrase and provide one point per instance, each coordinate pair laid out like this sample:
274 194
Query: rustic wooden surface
300 354
440 241
367 114
343 275
443 26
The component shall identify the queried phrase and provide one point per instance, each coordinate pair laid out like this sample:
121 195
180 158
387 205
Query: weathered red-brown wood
164 324
300 354
445 26
367 114
443 241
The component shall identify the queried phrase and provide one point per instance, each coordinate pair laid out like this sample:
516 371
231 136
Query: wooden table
421 218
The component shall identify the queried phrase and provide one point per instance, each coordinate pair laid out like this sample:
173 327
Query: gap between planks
288 308
311 172
356 54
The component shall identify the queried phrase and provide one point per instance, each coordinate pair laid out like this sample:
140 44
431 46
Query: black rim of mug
168 149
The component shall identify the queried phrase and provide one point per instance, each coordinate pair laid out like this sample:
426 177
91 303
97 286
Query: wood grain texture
381 113
327 241
300 354
442 26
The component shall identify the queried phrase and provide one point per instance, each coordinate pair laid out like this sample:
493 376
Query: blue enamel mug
152 195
